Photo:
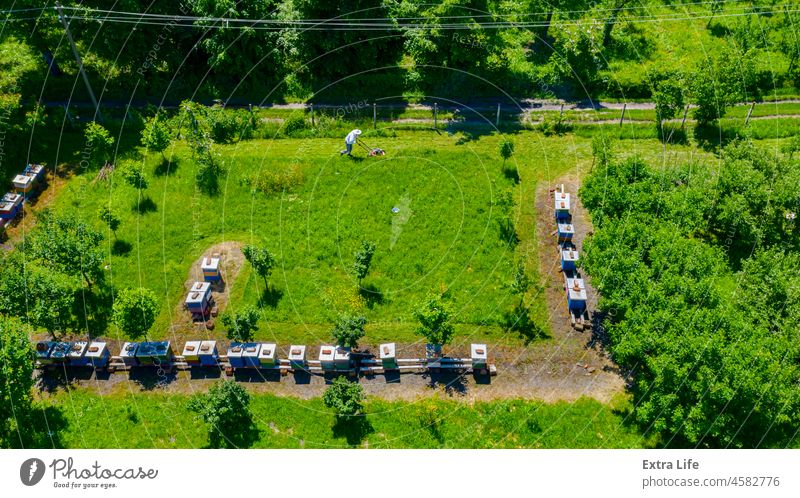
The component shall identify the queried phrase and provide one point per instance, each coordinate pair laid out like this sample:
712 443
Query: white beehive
197 297
97 354
341 358
268 356
210 268
388 355
479 355
576 293
23 183
128 353
191 352
326 355
77 353
561 202
297 356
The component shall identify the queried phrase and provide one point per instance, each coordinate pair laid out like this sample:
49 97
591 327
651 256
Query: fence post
312 115
685 112
747 119
497 119
374 116
435 115
622 116
561 113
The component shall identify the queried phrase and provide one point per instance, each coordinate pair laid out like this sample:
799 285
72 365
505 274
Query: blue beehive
43 349
198 299
569 259
209 356
36 171
297 356
128 353
210 267
97 355
576 294
60 352
341 358
250 354
561 205
155 353
10 205
326 355
77 354
565 232
235 358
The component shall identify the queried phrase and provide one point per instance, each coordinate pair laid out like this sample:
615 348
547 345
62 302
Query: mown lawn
77 418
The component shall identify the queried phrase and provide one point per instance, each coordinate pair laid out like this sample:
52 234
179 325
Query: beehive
210 267
565 232
198 298
77 354
479 355
60 352
209 356
97 354
250 354
297 356
235 351
562 205
128 353
268 357
341 358
326 354
23 183
36 171
576 294
191 352
42 350
155 353
10 205
388 356
569 259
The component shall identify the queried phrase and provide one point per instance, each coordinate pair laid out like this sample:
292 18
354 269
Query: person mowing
349 140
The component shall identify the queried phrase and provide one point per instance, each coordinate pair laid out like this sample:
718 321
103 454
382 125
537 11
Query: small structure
155 353
268 356
10 205
35 171
42 350
569 259
576 294
77 354
60 352
210 267
562 206
297 357
235 351
341 358
23 183
326 356
198 299
209 356
191 352
433 351
479 355
388 355
97 355
250 354
128 354
565 232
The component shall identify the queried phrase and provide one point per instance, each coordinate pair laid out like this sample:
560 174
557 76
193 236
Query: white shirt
351 137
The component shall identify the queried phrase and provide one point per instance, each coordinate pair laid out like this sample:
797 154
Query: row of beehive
12 202
575 287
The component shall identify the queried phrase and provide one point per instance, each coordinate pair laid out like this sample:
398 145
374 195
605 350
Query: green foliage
133 174
434 320
98 144
712 91
602 149
344 397
348 330
363 259
262 260
135 311
506 149
195 121
109 217
294 124
156 135
241 324
228 125
554 124
226 411
521 282
69 245
16 377
668 95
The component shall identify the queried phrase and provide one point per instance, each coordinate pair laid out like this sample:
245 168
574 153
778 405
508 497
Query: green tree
262 261
521 282
110 218
363 259
156 135
16 380
242 324
98 143
226 410
506 150
602 149
434 320
668 95
135 311
195 123
69 245
133 173
348 330
713 91
345 397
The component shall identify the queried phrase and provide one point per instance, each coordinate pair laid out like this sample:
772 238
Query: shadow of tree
166 167
453 382
519 320
511 173
41 428
352 429
270 297
371 294
121 248
508 233
145 205
244 437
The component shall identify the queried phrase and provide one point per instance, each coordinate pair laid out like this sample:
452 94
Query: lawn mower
371 151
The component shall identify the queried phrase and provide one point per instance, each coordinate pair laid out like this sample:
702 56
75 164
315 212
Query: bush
294 124
554 124
345 397
274 182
